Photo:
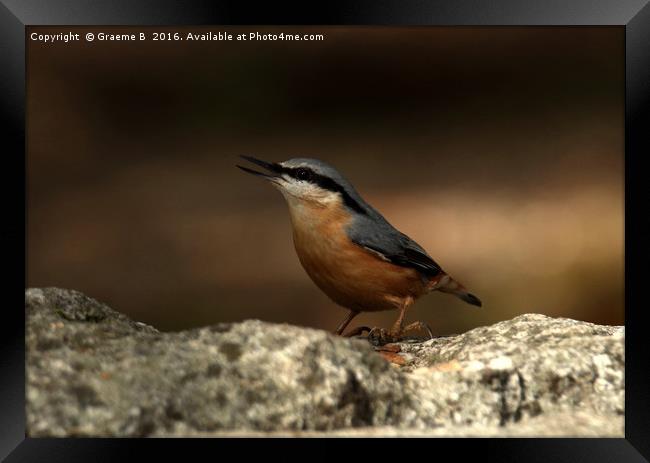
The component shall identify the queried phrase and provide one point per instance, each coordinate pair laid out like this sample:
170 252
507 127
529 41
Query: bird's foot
380 337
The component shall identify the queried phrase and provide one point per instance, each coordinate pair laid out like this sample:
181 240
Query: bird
350 251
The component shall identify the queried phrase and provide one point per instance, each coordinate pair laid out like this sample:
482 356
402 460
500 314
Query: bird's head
308 180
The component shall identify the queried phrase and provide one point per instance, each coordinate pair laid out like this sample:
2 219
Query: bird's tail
447 284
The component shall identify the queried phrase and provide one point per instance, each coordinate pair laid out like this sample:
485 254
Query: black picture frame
633 15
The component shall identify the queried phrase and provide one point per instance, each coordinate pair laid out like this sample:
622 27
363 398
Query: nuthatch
350 251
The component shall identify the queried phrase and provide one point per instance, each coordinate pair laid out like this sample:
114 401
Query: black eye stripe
299 173
307 174
302 173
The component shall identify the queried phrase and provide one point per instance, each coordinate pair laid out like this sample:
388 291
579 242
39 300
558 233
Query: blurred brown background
500 150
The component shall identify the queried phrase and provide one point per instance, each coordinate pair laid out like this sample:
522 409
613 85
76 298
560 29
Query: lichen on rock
92 371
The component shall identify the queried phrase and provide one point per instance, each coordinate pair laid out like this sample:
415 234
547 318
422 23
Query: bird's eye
303 174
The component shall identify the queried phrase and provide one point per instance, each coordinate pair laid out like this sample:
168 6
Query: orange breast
350 275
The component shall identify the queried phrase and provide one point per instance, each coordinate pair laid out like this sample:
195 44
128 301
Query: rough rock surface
93 372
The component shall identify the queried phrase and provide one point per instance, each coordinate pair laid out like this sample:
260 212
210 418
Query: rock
91 371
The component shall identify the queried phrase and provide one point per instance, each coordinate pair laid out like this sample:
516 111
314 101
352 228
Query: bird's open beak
274 169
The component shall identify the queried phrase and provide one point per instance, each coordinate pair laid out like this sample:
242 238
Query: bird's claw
379 337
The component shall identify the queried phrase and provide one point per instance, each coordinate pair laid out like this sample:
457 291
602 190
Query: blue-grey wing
380 237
